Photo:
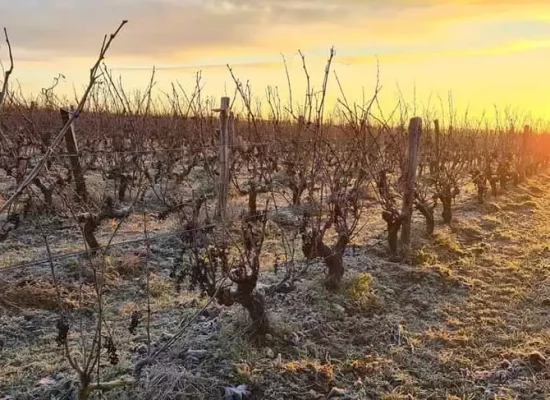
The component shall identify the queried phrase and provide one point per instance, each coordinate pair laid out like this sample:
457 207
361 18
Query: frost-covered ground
468 318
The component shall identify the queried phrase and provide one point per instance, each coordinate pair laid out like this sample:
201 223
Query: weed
359 291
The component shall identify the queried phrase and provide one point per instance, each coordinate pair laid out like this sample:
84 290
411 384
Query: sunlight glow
484 52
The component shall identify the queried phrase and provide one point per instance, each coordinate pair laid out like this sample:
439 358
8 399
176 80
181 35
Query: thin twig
7 73
148 294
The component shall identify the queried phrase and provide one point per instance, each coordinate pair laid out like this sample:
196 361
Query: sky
487 53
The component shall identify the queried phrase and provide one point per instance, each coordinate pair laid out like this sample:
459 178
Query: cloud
516 46
76 28
190 30
157 26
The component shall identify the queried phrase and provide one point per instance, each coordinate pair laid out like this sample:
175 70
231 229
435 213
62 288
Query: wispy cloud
482 47
188 29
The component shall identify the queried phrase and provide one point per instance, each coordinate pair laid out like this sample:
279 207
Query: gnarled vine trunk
253 200
447 213
123 187
333 258
428 212
251 301
393 222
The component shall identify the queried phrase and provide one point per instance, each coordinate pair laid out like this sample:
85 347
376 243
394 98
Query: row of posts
227 135
227 132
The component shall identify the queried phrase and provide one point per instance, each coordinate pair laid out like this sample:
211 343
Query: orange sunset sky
486 52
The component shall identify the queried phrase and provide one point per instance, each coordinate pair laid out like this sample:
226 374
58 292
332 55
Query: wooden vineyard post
524 153
437 138
224 158
435 162
231 133
415 127
72 149
229 148
301 124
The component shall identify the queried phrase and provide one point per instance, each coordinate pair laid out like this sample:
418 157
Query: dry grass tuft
469 231
424 256
172 383
320 374
395 396
446 242
129 265
490 222
42 295
159 287
366 365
